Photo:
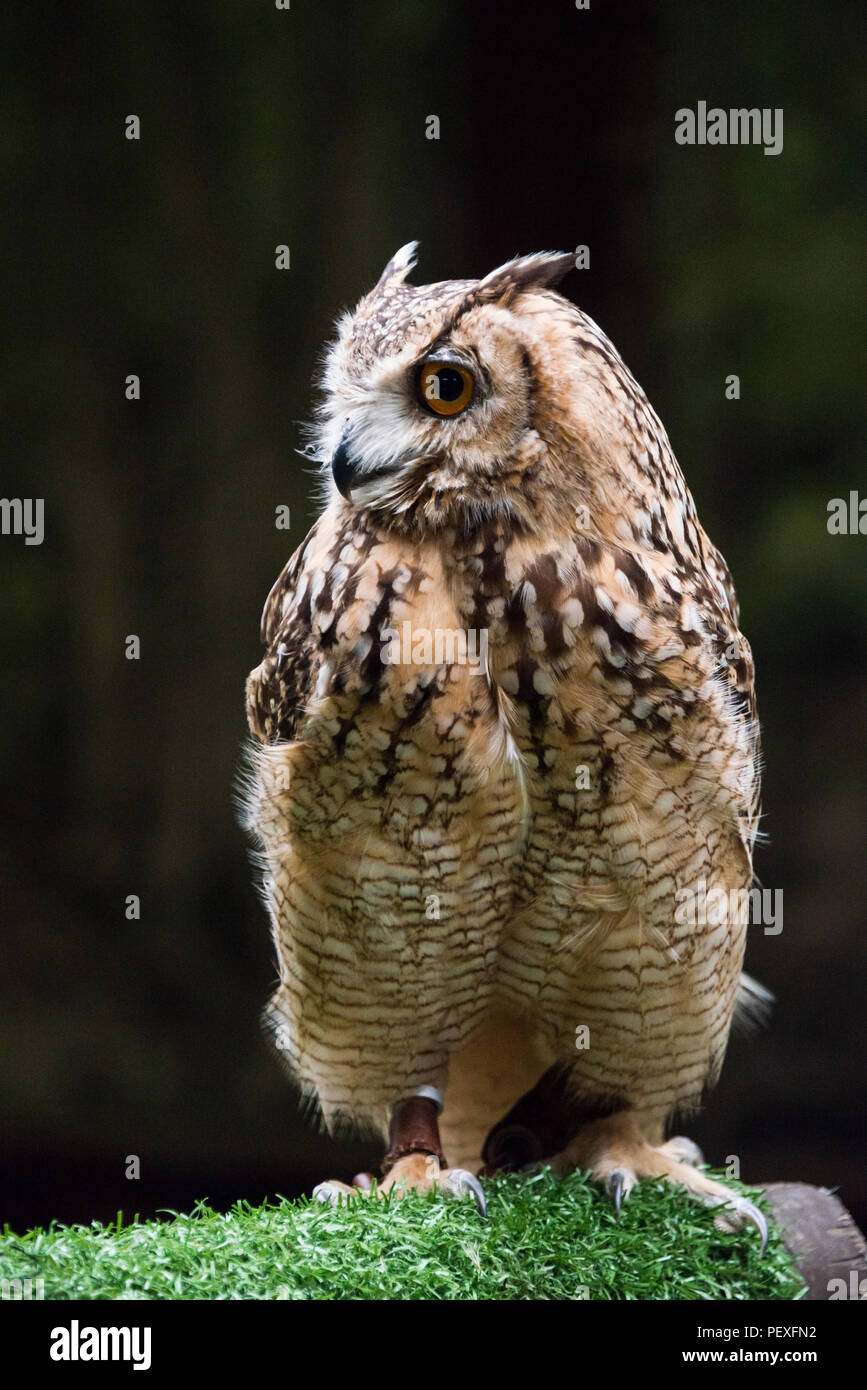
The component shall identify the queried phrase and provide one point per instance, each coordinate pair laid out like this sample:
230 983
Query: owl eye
446 388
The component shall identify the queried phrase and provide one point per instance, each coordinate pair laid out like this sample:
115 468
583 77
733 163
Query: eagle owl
504 726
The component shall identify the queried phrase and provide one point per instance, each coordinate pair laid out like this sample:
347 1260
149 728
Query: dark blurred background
306 127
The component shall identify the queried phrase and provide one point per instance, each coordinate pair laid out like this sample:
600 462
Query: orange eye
446 388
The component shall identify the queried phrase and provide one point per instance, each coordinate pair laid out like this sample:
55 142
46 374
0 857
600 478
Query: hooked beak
343 468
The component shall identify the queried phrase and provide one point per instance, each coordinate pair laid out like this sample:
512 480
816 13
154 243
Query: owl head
465 400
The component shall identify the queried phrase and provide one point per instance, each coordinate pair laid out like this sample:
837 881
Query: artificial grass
544 1238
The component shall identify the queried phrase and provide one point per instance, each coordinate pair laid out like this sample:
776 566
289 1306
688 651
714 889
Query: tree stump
828 1248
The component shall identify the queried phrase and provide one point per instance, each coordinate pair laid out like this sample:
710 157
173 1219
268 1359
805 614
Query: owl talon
615 1154
459 1182
414 1172
334 1193
618 1185
752 1213
741 1213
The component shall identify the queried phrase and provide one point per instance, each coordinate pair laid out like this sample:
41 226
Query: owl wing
642 781
375 798
278 690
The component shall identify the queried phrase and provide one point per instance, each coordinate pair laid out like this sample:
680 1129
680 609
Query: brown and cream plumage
466 863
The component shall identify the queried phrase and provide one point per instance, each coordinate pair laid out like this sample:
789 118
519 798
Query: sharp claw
326 1192
734 1215
752 1213
323 1193
616 1187
460 1182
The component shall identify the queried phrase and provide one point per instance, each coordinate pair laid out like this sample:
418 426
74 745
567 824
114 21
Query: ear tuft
399 266
538 271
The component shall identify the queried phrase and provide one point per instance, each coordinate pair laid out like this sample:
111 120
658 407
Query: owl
504 739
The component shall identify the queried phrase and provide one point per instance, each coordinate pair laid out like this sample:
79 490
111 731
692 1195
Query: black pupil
451 384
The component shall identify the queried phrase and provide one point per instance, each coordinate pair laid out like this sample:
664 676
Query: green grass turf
544 1238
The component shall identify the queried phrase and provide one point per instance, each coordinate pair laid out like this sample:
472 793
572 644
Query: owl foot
414 1160
615 1154
424 1173
414 1172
